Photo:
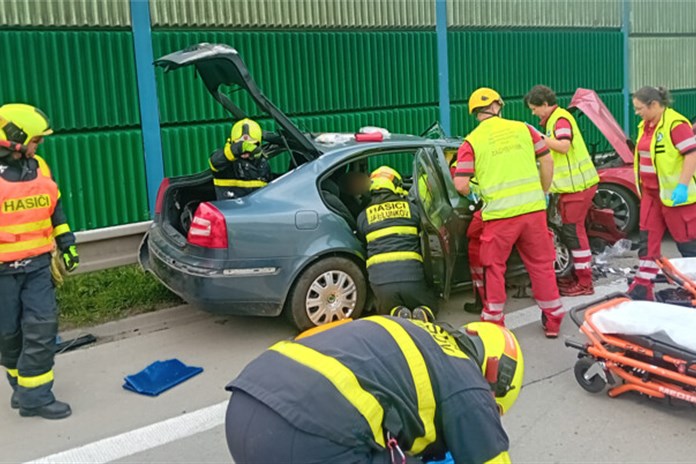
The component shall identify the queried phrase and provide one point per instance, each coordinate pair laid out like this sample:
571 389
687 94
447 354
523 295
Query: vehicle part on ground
329 290
623 202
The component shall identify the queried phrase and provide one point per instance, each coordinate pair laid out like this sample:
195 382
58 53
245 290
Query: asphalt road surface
554 420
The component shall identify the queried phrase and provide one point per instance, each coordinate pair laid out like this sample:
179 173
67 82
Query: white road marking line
142 439
160 433
532 314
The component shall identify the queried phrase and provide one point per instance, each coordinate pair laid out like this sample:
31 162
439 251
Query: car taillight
159 201
208 227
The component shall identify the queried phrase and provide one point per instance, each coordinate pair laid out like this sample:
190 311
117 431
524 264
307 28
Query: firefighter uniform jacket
358 380
238 177
31 215
391 228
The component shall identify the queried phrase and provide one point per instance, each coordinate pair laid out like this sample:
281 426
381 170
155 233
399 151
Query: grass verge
102 296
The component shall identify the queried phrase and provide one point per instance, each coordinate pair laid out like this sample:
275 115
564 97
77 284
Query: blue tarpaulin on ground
160 376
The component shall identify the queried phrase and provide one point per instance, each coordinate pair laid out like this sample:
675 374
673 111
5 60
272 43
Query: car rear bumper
257 291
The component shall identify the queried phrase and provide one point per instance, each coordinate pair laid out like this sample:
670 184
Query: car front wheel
622 201
329 290
563 262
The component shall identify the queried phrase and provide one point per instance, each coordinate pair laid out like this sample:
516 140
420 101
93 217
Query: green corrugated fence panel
665 61
186 148
512 62
534 13
61 13
663 17
81 79
308 72
101 176
303 14
463 123
684 101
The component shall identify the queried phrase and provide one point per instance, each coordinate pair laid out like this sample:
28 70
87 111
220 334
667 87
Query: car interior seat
331 193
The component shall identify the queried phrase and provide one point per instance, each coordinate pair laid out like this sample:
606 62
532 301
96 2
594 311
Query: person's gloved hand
680 194
448 460
70 258
472 197
548 199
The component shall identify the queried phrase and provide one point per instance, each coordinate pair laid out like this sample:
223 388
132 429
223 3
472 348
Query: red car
617 188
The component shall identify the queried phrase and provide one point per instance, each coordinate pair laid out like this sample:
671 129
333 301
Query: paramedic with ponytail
665 161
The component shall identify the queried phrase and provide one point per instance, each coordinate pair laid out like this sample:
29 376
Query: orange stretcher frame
612 352
675 277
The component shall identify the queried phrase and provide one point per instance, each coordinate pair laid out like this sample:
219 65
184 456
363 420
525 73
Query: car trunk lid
220 65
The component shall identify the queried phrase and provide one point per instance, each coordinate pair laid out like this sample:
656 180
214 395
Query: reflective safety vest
25 215
667 161
573 171
506 169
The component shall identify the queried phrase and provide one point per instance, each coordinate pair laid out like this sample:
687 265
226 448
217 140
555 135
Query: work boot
576 290
14 401
551 325
423 313
401 311
640 292
55 410
568 281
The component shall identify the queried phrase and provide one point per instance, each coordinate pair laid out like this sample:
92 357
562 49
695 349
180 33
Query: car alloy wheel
562 262
622 202
332 296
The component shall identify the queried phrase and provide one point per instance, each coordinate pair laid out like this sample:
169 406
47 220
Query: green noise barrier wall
308 72
101 176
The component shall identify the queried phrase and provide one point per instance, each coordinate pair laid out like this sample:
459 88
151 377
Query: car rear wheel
620 200
563 262
329 290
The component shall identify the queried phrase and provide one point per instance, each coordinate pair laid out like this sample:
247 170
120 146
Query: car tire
331 289
622 201
563 263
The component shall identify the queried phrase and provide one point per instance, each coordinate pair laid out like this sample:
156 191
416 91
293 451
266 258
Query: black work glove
70 258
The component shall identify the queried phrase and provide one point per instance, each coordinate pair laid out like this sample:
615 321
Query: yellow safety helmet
19 123
482 98
500 357
386 178
246 130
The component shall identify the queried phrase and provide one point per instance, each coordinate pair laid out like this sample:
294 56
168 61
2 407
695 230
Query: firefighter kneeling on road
390 226
31 224
503 156
239 167
367 391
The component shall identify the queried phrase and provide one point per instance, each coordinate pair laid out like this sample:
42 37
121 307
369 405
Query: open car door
220 65
438 240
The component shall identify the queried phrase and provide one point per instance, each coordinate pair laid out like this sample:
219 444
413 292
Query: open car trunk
180 201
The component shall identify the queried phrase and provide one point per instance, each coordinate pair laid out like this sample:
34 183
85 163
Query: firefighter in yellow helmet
390 228
239 167
426 391
32 223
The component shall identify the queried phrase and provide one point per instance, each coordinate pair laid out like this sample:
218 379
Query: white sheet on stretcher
648 318
686 266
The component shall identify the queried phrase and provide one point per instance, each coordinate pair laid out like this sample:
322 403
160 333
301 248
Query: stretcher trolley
682 273
641 346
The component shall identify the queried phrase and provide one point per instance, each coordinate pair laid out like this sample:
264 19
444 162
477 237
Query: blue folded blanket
160 376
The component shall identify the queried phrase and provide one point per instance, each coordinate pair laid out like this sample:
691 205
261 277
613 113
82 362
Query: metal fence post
442 63
147 96
626 29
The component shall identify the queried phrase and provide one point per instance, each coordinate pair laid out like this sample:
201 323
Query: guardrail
110 246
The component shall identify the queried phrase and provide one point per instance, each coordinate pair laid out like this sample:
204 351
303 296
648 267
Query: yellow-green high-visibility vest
573 171
666 158
506 169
